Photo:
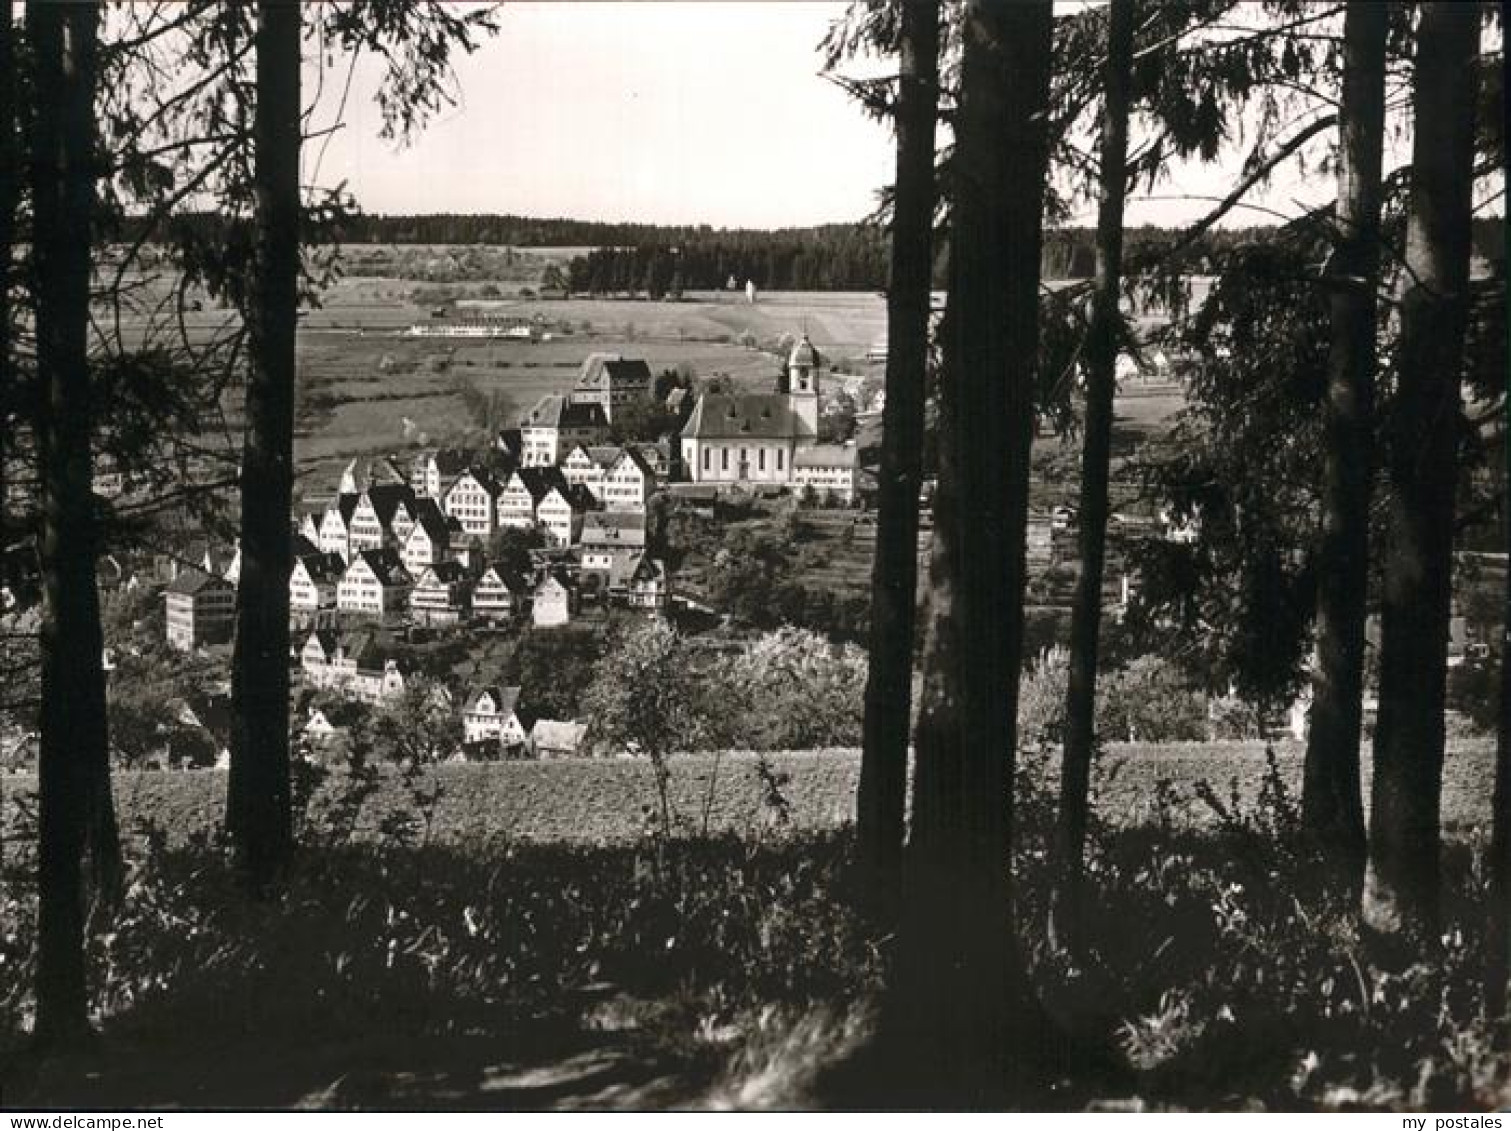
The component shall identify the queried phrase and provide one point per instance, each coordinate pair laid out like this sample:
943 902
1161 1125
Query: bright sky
668 113
692 112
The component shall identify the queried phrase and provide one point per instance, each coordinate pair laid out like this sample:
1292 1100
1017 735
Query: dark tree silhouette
1332 804
960 1003
257 798
75 804
1401 882
882 793
1101 383
10 201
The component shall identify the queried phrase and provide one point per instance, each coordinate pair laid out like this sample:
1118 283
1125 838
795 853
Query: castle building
750 439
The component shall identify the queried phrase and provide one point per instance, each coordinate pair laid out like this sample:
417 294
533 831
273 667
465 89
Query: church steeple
802 382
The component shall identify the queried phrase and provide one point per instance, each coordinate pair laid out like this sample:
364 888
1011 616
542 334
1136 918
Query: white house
384 516
375 584
472 501
492 715
828 469
335 526
436 537
442 594
560 513
550 429
499 596
551 604
312 585
627 483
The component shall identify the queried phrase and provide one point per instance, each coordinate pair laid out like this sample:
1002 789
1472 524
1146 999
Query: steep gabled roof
613 528
386 566
538 481
322 567
436 523
386 498
505 699
826 455
326 638
507 578
192 581
743 416
556 411
602 370
442 573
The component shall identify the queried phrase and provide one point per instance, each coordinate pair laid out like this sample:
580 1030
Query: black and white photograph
754 556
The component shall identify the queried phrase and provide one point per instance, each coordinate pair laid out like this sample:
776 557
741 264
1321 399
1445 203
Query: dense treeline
666 259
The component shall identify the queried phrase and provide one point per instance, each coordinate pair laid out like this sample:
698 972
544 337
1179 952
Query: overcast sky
660 112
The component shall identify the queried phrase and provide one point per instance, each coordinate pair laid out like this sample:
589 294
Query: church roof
804 354
825 455
750 416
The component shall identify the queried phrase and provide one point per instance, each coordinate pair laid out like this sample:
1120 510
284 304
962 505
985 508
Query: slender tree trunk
1332 804
1101 383
960 1001
1498 929
1498 932
10 199
894 575
1401 884
258 798
75 806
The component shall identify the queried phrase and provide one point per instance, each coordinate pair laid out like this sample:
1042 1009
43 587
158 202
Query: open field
606 801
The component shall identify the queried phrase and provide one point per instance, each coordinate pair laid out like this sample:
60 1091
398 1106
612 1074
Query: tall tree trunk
1332 804
1498 929
1401 884
75 806
882 795
1498 932
960 996
1101 383
258 797
10 199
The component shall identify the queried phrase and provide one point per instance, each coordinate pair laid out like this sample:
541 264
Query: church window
723 459
779 459
761 459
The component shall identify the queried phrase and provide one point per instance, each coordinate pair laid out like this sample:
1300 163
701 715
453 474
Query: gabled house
499 595
627 483
581 469
200 609
827 469
553 601
643 584
384 516
560 513
312 586
523 492
553 738
550 429
436 537
611 381
317 658
492 715
357 665
335 526
472 501
609 533
375 584
442 594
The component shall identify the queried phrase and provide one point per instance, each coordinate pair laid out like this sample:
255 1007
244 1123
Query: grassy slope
607 801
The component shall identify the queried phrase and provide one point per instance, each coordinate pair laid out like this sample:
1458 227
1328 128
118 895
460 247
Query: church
755 439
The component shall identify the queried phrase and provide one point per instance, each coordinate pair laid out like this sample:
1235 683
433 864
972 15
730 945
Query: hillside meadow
609 801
